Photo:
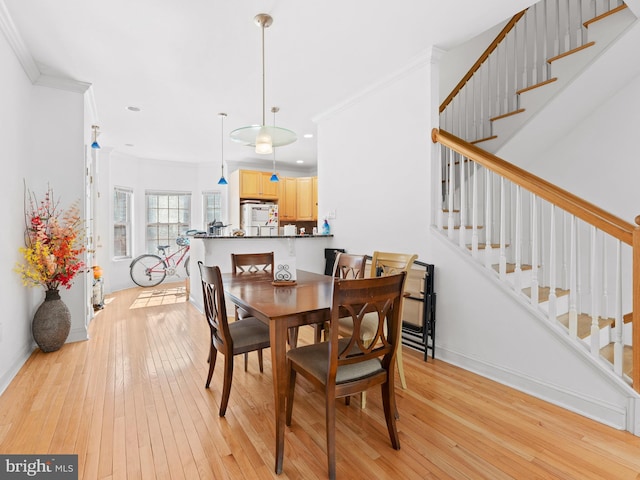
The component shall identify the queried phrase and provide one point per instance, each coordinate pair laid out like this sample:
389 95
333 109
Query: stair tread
543 293
511 267
627 357
468 227
584 323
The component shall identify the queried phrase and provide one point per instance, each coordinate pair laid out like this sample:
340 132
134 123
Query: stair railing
581 260
518 60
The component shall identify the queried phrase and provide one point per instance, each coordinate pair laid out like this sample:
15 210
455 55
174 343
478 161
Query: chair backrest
379 298
215 308
349 266
252 262
387 263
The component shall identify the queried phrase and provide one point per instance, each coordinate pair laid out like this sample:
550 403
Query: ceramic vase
51 323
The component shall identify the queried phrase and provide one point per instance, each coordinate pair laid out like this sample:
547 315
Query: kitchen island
308 251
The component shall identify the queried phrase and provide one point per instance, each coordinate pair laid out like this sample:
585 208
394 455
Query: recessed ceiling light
299 161
133 109
308 135
129 145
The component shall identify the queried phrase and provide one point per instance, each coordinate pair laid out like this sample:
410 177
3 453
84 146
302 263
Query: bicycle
149 270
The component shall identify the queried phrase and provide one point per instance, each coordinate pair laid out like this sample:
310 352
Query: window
211 207
168 215
122 226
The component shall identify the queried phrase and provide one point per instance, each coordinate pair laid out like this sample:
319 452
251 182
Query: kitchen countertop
207 236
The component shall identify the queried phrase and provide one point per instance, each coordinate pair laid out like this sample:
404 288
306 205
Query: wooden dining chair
230 339
250 263
346 266
382 264
344 366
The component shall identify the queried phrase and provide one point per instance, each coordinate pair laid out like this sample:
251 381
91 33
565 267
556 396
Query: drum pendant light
222 181
263 137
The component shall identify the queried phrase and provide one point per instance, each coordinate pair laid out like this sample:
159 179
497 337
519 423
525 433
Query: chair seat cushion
249 333
315 359
368 326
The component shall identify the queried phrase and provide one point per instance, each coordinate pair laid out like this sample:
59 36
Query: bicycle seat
163 247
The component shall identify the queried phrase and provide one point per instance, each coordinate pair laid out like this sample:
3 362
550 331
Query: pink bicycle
149 270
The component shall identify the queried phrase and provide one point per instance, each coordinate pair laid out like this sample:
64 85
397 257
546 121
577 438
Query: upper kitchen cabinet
315 198
306 201
255 184
287 198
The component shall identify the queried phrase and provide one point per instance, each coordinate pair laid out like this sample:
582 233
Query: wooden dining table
306 302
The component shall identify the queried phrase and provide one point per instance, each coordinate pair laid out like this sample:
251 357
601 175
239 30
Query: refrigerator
259 219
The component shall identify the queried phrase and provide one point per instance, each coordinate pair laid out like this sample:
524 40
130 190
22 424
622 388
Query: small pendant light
95 143
222 181
274 175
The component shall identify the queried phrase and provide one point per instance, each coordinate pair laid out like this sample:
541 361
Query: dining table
281 306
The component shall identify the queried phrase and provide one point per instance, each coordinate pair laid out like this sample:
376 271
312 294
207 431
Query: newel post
636 306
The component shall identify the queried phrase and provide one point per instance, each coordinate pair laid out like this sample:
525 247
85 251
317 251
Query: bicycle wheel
148 270
186 266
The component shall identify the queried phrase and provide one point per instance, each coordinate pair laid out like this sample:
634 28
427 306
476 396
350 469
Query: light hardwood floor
131 403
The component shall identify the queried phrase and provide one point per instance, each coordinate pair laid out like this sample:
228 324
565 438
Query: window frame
166 231
206 210
127 223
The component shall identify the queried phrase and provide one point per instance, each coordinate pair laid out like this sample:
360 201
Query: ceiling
181 63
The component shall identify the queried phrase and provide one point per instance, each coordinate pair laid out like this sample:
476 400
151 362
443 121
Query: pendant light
222 181
263 137
274 175
95 143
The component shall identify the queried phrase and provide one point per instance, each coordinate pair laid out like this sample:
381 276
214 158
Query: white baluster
618 345
488 219
573 273
595 327
518 241
474 235
440 186
565 253
451 186
534 251
604 307
463 202
503 227
553 299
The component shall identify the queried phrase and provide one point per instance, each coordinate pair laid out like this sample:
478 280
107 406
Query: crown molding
29 65
17 44
62 83
432 56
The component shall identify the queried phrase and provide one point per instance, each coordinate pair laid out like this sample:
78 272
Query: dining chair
230 339
346 266
250 263
382 264
344 366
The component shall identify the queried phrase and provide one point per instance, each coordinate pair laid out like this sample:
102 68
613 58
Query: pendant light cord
263 79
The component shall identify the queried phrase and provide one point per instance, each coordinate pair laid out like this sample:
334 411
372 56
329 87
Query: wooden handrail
601 219
503 33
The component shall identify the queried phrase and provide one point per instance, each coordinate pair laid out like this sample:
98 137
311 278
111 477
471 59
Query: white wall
374 168
42 142
597 159
15 325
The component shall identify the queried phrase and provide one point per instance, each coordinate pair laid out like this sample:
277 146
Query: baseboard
593 408
9 374
77 335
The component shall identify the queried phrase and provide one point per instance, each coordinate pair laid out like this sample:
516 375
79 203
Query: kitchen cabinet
255 184
287 199
315 198
305 199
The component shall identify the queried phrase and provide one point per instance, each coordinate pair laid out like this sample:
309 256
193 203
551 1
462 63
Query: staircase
565 258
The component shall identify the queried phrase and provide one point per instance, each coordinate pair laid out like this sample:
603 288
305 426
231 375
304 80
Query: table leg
278 333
